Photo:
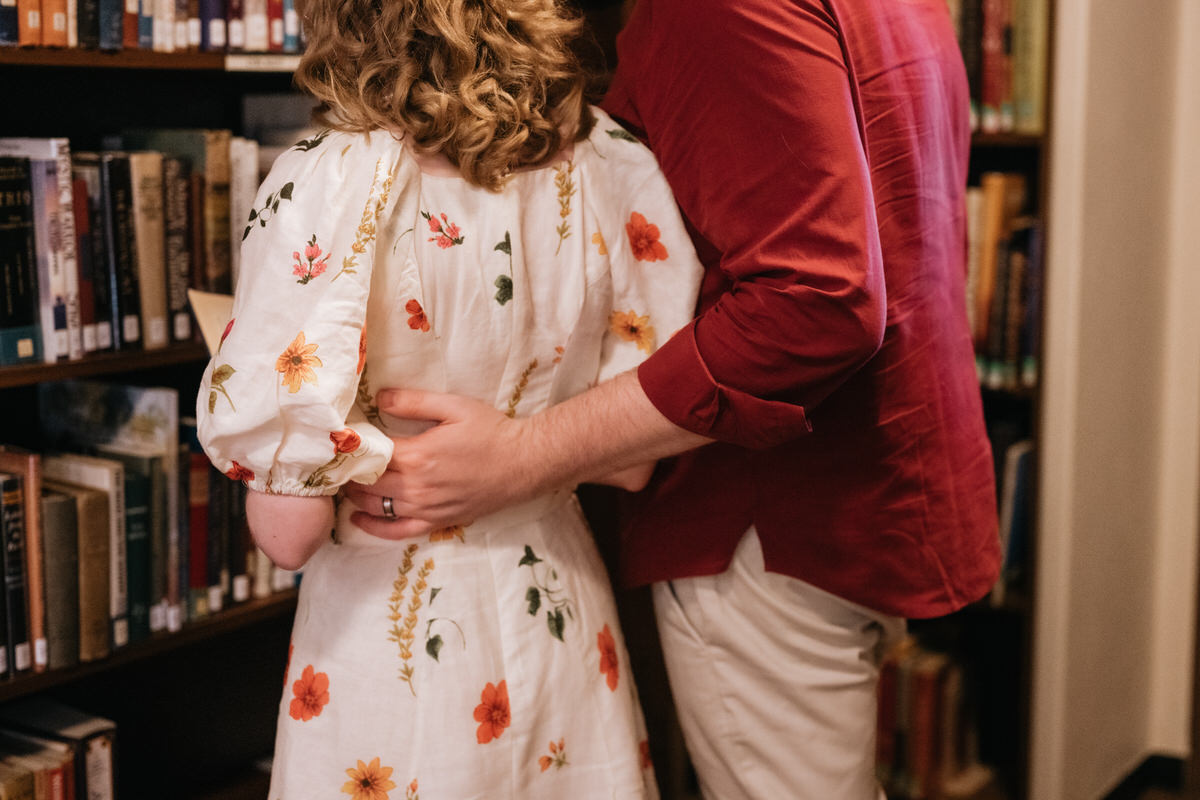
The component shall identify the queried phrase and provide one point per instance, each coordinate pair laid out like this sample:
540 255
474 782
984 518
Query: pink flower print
447 233
316 263
228 328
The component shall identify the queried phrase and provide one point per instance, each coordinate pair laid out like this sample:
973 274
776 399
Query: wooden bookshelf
149 60
102 364
231 619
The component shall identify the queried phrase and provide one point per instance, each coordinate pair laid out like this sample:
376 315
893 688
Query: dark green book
60 555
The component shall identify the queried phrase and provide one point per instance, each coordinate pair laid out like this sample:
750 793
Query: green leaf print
534 598
529 558
311 144
504 289
558 608
554 619
506 245
621 133
433 646
269 209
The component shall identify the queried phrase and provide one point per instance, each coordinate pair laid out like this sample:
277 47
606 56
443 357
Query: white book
109 477
146 177
54 230
163 37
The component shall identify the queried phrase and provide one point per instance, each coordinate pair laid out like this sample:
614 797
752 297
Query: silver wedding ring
388 511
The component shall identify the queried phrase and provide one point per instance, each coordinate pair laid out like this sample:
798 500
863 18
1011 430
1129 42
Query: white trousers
774 682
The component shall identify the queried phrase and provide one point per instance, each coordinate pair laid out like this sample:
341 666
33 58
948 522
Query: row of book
254 26
1004 47
98 249
51 751
926 745
120 531
1004 281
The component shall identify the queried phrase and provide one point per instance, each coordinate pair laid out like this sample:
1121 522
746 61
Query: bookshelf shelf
148 60
101 364
231 619
1014 140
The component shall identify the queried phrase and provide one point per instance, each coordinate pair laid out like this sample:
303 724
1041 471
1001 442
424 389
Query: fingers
400 528
417 404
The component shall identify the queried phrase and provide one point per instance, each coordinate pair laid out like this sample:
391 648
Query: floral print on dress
609 666
316 262
239 473
416 316
448 534
216 383
566 190
296 364
369 781
446 233
269 209
542 590
366 231
631 327
404 617
643 239
410 793
557 757
523 382
492 713
504 283
362 351
598 240
310 695
644 754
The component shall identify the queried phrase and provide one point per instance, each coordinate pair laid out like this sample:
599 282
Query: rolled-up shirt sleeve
750 109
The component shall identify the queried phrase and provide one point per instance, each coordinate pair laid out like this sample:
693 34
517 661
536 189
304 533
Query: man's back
819 151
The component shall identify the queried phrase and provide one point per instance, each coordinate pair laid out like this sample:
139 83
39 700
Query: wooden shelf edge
101 364
230 619
149 59
1007 139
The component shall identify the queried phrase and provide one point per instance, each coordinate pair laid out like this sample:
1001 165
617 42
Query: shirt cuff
680 385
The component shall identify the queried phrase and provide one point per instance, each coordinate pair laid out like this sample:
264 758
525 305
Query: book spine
51 281
12 518
9 29
87 169
146 180
996 113
95 585
54 23
1032 322
217 572
87 23
257 24
998 317
198 514
1014 310
29 23
20 333
235 24
275 26
123 257
63 239
179 33
240 545
971 43
137 553
145 25
110 24
214 28
163 26
81 208
129 25
291 27
1030 21
177 586
175 190
60 555
195 36
217 227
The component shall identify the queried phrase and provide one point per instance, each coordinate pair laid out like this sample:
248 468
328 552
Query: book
91 738
110 418
291 27
9 33
54 23
60 557
1031 325
1003 199
208 152
109 477
147 540
235 25
257 26
86 169
93 544
216 576
51 763
199 472
130 24
81 206
163 26
996 111
195 36
971 43
180 609
1015 516
145 25
12 529
111 22
925 752
1030 43
29 23
116 186
87 24
275 26
213 28
20 330
28 466
178 258
146 182
51 277
16 783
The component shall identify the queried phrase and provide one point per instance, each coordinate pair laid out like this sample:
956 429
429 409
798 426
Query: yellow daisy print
297 362
369 781
633 328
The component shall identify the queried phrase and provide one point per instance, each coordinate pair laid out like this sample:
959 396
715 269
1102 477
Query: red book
129 25
275 26
83 261
996 78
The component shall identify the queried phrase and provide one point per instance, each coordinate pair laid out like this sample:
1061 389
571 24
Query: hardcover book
86 168
91 738
20 331
122 270
146 182
178 258
12 529
28 465
84 249
60 558
93 545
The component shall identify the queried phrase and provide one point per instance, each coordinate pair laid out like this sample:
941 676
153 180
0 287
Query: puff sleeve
655 274
276 403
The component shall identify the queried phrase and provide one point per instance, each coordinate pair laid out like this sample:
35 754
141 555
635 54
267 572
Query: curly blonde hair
493 85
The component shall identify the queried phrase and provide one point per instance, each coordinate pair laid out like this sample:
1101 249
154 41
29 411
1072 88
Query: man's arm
477 460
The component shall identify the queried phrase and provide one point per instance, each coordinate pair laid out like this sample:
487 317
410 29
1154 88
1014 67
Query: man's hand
468 465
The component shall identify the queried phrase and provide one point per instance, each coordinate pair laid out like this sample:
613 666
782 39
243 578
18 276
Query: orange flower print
239 473
311 694
598 240
643 239
345 441
446 534
369 781
558 353
632 328
411 792
417 319
644 752
608 657
446 233
557 757
297 362
362 351
316 264
492 713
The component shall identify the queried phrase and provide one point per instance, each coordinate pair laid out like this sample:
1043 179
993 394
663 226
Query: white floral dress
478 662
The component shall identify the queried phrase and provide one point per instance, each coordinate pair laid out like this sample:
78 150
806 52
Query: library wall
1103 425
1179 472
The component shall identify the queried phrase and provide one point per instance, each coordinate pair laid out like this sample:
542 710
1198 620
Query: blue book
8 24
20 332
145 24
111 20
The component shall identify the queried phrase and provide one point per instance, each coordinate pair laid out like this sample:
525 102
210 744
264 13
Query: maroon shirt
818 150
